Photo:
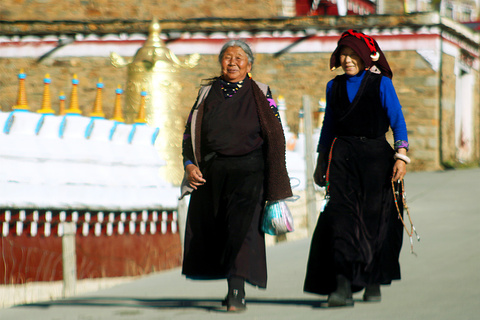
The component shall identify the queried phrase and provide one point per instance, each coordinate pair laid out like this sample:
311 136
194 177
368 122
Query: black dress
359 234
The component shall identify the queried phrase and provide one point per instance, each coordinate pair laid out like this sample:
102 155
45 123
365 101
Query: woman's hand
320 171
400 167
194 176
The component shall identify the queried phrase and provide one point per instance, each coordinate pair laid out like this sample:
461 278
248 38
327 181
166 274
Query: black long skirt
359 234
223 236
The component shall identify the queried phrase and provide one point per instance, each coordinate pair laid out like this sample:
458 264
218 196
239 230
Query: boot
372 293
235 299
342 296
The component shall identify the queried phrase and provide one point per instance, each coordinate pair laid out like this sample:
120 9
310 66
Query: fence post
309 166
69 259
182 218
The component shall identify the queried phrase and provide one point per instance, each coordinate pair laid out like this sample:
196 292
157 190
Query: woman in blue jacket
358 236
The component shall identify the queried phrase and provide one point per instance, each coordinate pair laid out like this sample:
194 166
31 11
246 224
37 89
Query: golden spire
74 109
141 109
22 96
61 108
46 102
154 39
117 109
97 109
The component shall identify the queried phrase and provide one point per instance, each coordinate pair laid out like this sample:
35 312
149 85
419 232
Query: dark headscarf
366 47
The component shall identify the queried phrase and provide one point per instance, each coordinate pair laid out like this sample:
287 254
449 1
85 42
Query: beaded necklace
230 88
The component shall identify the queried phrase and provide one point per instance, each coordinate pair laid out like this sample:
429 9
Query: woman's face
235 65
351 63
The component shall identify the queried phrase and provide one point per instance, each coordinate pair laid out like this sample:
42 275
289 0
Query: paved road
442 282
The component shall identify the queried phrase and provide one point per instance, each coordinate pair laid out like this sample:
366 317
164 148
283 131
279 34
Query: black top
230 126
364 116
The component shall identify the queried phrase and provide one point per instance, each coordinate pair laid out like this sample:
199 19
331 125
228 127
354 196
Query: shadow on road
171 303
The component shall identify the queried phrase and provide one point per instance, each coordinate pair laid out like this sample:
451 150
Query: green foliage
451 164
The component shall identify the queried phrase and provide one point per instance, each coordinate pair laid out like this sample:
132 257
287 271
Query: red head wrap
366 47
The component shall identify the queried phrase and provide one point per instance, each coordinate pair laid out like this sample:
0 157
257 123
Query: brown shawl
277 182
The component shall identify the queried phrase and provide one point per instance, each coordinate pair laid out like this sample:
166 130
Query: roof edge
171 28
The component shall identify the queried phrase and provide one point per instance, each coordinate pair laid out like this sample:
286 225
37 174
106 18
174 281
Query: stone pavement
441 282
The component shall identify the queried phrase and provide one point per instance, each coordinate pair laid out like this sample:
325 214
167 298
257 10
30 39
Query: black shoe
342 296
235 301
372 293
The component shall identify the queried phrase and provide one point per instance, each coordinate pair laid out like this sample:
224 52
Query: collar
357 77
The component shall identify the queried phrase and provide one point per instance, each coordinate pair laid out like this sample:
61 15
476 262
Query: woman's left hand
399 170
400 167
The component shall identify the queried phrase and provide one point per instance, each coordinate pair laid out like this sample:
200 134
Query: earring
375 56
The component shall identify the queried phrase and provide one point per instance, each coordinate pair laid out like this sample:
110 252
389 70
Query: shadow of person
294 302
168 303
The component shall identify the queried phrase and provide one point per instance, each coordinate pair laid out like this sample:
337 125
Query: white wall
80 163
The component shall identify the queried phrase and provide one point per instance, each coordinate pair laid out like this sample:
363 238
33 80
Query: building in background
434 59
464 11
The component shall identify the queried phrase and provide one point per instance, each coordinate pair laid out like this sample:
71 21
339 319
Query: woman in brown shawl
234 158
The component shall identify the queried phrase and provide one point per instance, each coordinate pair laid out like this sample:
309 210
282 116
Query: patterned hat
366 47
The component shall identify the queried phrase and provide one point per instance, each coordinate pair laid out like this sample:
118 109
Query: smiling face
351 63
235 65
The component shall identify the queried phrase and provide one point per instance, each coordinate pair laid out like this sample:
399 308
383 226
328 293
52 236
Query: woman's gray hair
237 43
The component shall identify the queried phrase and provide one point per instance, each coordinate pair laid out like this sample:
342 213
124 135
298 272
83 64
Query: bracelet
401 144
404 158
